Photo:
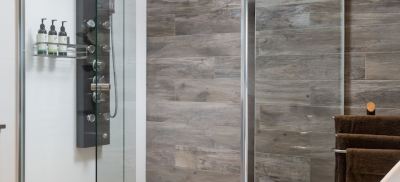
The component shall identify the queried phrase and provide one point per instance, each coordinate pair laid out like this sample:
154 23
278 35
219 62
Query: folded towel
369 165
375 125
340 168
344 141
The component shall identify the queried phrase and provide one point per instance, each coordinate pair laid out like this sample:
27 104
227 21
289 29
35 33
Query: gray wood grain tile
282 168
299 67
206 90
226 20
322 169
287 42
355 66
200 115
175 134
269 3
159 154
385 93
227 44
303 15
161 25
374 38
208 159
298 92
282 142
373 13
171 174
188 7
178 68
382 66
311 143
163 89
227 67
379 111
296 118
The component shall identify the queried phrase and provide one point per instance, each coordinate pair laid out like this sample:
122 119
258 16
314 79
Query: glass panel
110 109
299 87
123 69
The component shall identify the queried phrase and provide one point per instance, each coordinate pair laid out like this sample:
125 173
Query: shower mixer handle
100 87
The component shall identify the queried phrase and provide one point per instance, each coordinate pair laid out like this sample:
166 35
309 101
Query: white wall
8 91
51 153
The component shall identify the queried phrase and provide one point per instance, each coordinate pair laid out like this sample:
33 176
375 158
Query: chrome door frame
247 90
21 91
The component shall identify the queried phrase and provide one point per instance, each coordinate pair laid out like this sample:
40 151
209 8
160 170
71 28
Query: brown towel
369 165
374 125
344 141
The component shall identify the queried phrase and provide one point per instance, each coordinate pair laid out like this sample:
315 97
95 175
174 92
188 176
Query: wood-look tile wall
298 79
194 84
373 56
193 91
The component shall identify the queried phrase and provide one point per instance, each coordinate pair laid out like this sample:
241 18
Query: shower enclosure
231 90
82 97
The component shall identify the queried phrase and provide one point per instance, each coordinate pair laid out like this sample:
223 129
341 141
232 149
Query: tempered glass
116 159
110 106
299 87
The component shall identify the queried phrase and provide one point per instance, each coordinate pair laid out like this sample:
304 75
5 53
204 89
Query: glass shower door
110 89
298 88
119 89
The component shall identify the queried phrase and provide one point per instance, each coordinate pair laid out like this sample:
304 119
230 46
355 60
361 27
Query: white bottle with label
62 40
53 40
41 39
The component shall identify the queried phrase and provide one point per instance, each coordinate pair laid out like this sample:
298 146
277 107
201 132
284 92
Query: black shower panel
93 75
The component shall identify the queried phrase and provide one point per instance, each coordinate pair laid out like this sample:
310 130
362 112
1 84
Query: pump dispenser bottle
53 40
41 39
62 40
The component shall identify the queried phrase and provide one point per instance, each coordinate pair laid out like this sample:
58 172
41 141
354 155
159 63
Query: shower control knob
107 116
97 65
105 136
98 97
91 49
98 79
106 48
91 23
106 25
91 118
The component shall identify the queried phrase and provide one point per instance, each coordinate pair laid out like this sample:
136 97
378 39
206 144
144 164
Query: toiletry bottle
62 40
41 39
53 48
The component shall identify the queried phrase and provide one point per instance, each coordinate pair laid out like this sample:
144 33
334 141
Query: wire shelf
74 51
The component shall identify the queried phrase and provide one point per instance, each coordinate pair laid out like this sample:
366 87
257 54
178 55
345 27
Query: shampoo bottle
41 39
53 40
62 40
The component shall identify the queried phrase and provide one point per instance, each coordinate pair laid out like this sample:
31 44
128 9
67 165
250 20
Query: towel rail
339 151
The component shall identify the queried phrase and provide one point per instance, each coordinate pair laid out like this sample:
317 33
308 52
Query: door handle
2 126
